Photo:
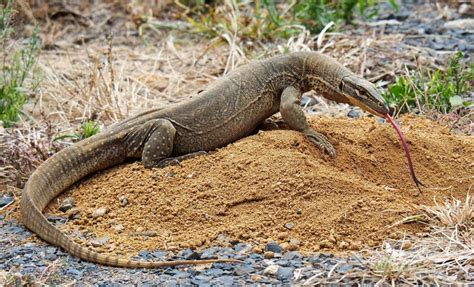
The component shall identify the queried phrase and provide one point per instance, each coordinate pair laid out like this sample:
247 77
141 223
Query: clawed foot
321 142
177 160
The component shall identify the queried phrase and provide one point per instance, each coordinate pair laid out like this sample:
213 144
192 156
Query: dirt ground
276 186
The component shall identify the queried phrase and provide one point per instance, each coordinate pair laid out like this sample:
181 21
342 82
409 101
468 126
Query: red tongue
407 152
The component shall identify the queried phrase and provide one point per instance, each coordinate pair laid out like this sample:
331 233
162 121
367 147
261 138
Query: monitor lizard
228 109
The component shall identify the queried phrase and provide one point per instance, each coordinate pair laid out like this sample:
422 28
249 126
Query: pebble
159 254
118 228
257 249
56 219
5 200
209 253
123 201
214 272
268 254
354 114
149 233
343 268
295 241
97 242
292 255
271 270
285 273
273 247
67 204
99 212
74 213
193 256
244 270
289 226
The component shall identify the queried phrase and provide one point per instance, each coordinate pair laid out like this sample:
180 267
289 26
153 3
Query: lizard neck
322 74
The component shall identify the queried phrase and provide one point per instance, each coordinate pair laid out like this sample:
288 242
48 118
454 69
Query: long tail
58 173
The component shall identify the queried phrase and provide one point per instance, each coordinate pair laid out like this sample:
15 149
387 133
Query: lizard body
227 110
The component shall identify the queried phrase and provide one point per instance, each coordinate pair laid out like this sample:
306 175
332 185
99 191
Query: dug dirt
276 186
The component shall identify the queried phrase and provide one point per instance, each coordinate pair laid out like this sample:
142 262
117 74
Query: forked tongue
407 152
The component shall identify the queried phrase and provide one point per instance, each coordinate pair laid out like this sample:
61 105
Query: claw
321 142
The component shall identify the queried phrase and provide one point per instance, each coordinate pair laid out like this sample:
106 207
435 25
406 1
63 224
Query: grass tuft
442 90
444 255
17 65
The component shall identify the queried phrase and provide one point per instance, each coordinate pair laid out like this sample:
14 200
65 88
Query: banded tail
61 171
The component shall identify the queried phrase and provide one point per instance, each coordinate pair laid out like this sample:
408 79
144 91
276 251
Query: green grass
439 90
17 65
268 20
88 129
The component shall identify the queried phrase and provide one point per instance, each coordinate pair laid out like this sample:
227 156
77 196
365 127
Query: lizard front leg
294 117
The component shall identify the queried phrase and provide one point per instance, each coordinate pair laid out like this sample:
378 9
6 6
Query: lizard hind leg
294 117
153 142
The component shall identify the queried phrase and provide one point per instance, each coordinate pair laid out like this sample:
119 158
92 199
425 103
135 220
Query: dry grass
443 256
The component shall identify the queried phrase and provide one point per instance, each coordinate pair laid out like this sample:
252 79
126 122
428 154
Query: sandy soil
276 186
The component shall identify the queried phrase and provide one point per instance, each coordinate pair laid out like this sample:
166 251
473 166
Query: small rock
256 278
73 271
214 272
282 235
159 254
6 200
465 24
406 245
118 228
268 255
466 9
343 268
181 275
67 204
209 253
244 270
56 219
289 226
257 249
74 213
326 244
343 245
285 273
99 212
149 233
295 241
292 255
226 280
354 114
273 247
242 247
99 241
145 254
271 270
355 245
193 256
123 201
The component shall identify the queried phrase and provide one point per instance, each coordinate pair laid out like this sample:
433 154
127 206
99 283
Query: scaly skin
225 111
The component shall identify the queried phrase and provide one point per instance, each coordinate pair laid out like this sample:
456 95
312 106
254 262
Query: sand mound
276 185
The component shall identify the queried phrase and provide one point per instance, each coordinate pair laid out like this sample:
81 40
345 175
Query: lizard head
363 94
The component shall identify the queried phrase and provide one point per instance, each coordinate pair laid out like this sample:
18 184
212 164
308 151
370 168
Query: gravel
29 260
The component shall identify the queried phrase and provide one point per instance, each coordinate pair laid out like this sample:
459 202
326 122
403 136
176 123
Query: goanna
227 110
